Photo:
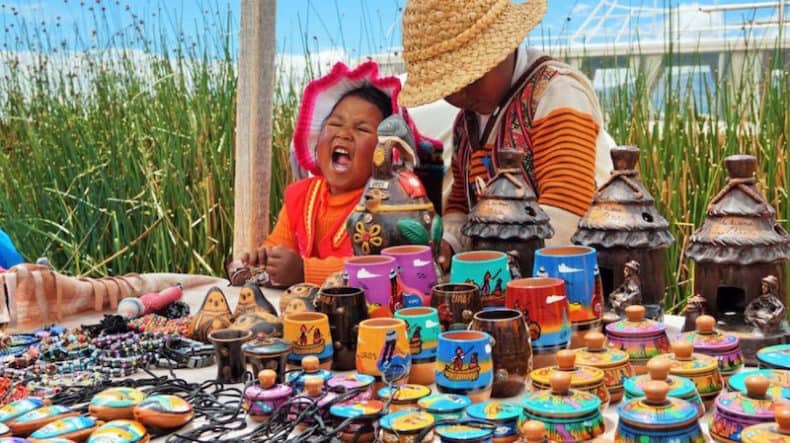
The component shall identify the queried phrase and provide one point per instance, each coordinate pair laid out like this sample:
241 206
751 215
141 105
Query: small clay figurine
630 292
254 312
214 314
696 306
766 312
301 297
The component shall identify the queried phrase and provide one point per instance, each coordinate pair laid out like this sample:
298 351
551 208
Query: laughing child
334 139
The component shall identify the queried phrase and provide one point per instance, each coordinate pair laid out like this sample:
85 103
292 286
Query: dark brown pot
456 303
346 308
512 351
231 362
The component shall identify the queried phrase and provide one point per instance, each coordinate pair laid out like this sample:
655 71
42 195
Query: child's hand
254 258
445 256
285 266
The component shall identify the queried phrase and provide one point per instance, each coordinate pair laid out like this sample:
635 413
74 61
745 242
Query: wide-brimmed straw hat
449 44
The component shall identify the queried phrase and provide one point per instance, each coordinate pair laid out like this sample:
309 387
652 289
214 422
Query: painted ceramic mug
576 266
376 275
310 335
345 306
456 303
463 364
545 307
511 350
423 326
383 348
489 270
416 266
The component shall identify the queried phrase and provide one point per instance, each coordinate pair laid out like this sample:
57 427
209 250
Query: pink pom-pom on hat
322 94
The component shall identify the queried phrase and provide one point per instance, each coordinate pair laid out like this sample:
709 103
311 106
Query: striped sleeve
316 270
563 147
457 201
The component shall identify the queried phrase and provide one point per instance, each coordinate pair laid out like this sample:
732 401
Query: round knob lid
682 350
267 378
533 431
756 385
314 386
560 383
705 324
741 166
782 415
566 360
635 313
310 364
594 341
659 369
656 392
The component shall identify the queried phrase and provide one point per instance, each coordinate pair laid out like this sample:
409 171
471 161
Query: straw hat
449 44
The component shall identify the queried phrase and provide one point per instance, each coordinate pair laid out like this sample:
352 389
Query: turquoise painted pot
463 364
423 330
445 406
505 414
658 419
488 270
774 357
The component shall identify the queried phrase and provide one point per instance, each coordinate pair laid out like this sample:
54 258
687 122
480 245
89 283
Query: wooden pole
254 125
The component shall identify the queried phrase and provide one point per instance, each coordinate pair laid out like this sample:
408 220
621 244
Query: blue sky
356 27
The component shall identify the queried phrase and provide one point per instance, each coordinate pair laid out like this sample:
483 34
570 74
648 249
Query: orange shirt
311 212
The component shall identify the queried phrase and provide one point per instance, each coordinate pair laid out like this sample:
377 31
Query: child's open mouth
341 159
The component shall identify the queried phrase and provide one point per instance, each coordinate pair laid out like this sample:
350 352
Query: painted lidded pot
774 357
445 406
569 415
615 364
707 340
702 369
778 432
404 396
260 400
363 414
346 383
657 418
778 379
641 338
394 209
406 426
507 216
679 387
267 353
504 414
310 368
735 411
465 433
583 378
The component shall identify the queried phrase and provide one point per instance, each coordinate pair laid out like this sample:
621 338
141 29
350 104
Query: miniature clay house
623 224
507 216
737 245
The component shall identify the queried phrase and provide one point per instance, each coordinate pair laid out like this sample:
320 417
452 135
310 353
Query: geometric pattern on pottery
572 430
686 434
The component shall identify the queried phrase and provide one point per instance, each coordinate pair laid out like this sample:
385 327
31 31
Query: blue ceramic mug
576 265
463 364
488 270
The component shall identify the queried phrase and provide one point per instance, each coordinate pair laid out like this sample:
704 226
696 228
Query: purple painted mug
376 275
417 269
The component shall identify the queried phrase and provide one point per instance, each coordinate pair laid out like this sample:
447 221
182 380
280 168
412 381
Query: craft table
194 297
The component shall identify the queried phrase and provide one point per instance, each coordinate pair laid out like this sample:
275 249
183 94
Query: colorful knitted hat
448 44
322 94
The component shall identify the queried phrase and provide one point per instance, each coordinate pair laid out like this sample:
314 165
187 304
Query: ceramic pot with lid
345 383
465 432
583 378
569 415
703 370
362 415
261 400
445 406
778 432
404 396
679 387
774 357
615 364
778 379
735 411
406 426
709 341
641 338
267 353
657 418
504 414
311 367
